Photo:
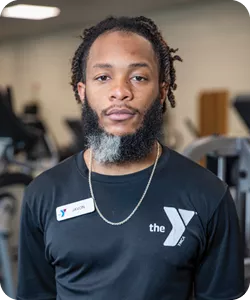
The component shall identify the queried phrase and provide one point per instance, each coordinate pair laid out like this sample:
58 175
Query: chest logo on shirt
179 219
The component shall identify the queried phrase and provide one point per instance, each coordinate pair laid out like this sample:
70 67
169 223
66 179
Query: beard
109 149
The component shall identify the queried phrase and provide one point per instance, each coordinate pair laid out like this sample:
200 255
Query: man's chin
120 133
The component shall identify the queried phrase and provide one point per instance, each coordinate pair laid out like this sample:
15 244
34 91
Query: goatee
108 148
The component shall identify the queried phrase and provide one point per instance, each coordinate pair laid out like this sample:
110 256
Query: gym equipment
229 159
9 209
75 126
6 96
78 142
19 163
242 106
37 147
6 207
192 128
45 147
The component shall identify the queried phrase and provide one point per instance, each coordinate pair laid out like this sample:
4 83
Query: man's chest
163 237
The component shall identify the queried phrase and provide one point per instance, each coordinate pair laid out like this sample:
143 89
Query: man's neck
125 168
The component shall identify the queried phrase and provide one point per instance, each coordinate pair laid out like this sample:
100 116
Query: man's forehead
114 45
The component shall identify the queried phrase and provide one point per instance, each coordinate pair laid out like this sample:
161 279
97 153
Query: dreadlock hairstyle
139 25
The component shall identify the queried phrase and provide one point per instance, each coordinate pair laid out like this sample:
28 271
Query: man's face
122 81
122 99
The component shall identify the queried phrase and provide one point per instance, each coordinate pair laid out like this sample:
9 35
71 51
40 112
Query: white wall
213 38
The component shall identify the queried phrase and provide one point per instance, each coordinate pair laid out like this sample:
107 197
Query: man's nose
121 90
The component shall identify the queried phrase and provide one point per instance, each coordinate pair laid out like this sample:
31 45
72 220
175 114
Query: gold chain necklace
139 203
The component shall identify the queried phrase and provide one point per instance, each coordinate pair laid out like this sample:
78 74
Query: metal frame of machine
222 148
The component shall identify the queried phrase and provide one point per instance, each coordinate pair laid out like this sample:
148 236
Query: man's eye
139 78
102 78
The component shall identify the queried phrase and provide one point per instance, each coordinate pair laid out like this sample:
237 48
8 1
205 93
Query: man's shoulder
57 175
195 178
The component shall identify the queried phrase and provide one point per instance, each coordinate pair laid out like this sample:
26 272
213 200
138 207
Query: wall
45 61
213 40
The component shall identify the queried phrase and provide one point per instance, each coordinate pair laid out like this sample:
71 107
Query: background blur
212 36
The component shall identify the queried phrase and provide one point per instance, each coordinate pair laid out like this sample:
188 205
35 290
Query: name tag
75 209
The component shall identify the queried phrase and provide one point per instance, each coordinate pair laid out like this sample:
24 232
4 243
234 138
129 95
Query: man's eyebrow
139 65
103 66
133 65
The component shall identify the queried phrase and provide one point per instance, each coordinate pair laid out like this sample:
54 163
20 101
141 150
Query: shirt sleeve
36 276
220 274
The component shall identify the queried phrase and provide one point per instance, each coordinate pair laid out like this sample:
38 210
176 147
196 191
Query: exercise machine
11 186
19 164
30 145
229 159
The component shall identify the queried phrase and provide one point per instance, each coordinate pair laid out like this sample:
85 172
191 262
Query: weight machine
229 159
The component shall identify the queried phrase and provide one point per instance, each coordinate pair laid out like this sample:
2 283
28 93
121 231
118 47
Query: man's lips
120 114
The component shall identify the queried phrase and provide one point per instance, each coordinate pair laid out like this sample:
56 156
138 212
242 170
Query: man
127 218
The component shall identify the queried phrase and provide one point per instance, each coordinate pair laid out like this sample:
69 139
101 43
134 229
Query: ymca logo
62 213
179 219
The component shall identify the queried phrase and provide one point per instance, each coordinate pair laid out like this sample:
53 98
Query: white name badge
75 209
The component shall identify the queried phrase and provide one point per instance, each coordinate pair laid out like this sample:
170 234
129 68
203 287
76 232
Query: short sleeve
220 274
36 277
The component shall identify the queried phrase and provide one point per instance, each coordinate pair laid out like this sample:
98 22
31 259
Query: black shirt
184 237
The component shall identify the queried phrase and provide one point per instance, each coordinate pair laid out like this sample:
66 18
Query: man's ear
81 91
163 91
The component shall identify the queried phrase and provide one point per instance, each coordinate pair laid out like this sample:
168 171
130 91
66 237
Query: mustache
133 110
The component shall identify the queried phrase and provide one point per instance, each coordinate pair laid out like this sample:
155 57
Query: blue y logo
63 211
